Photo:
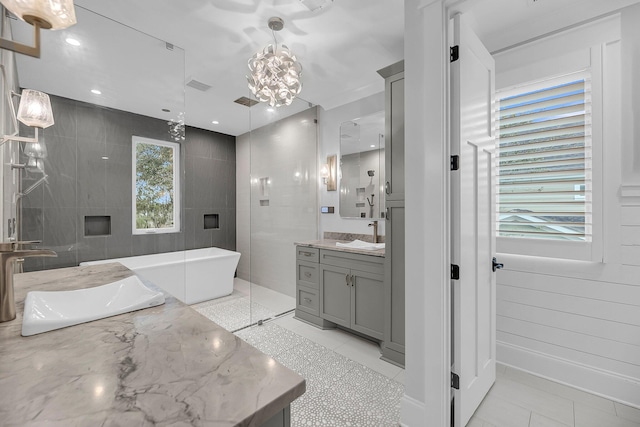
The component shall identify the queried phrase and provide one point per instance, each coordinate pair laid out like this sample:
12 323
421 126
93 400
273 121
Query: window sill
580 251
147 232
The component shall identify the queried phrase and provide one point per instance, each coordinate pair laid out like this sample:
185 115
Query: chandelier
275 72
176 128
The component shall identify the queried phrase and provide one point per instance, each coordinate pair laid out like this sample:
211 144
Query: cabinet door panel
367 304
335 295
394 271
394 138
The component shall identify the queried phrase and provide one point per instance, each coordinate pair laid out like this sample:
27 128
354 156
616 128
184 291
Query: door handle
495 265
346 278
387 187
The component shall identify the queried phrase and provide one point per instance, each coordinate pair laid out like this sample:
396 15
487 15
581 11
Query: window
156 186
545 160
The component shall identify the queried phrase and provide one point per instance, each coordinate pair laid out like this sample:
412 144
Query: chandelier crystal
176 128
275 72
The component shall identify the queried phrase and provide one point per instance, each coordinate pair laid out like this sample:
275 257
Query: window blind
544 159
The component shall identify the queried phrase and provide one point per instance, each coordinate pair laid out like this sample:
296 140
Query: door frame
427 399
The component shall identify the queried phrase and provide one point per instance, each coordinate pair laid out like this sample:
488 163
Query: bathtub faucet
9 252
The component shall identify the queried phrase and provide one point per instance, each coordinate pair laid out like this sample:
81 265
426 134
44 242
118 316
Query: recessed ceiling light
105 158
372 146
271 110
215 122
96 92
72 41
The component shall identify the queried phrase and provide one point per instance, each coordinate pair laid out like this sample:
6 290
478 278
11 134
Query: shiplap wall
578 322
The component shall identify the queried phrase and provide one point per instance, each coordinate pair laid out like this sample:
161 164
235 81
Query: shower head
371 172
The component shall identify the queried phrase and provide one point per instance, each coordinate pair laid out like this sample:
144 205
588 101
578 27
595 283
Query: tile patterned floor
340 391
234 312
348 384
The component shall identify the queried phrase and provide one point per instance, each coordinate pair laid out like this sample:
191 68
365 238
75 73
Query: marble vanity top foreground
165 365
331 244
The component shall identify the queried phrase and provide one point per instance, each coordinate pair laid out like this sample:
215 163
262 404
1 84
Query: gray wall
81 182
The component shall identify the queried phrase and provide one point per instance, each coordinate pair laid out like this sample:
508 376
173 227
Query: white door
473 225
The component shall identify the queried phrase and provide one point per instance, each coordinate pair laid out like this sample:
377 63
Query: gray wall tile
83 183
64 115
60 167
90 122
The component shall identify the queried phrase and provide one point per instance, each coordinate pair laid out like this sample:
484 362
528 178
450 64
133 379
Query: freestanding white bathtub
192 276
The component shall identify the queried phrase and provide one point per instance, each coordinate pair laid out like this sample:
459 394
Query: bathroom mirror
362 167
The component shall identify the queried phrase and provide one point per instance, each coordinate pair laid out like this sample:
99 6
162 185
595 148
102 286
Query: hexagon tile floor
340 392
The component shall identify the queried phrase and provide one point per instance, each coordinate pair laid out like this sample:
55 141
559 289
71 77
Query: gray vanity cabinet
340 288
352 291
393 345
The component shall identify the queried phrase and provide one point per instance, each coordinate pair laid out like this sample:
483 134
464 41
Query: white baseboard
413 412
603 383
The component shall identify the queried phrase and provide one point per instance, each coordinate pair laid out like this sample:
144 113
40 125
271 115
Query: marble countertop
331 244
165 365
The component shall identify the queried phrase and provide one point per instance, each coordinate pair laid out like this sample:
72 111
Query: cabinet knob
307 274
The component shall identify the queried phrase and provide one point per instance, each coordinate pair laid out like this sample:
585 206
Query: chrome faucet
9 252
374 224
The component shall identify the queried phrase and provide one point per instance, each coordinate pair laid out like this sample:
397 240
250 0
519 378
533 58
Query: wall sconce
34 110
328 173
36 152
324 173
46 14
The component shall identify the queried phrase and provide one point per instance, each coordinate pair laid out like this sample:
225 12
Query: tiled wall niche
89 174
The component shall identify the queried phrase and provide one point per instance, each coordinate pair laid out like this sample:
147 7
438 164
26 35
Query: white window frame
176 185
531 89
586 251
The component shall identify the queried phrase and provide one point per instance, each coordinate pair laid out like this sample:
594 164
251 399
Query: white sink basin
45 311
359 244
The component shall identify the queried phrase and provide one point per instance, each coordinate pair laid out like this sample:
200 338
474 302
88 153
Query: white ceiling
124 53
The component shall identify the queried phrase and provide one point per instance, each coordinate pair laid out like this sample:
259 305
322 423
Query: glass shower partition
280 194
90 195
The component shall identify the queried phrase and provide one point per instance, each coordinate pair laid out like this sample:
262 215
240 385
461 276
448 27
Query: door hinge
454 53
455 162
455 272
455 381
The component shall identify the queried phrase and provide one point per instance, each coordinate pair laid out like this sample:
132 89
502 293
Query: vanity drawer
307 254
307 300
371 263
307 274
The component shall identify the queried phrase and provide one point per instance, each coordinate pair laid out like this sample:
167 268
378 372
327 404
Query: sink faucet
9 252
374 224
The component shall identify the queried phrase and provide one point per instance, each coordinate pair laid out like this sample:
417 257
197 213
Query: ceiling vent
198 85
247 102
315 5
